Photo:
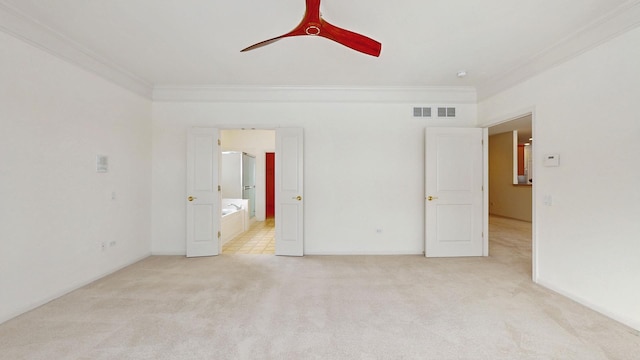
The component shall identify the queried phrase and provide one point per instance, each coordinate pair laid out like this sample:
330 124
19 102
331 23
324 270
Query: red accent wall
270 200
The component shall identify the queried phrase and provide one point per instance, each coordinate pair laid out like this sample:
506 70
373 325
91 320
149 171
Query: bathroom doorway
246 225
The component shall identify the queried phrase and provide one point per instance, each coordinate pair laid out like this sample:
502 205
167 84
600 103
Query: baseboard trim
361 253
69 289
621 319
168 253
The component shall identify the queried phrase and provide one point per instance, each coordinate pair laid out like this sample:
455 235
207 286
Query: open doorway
246 225
204 204
511 187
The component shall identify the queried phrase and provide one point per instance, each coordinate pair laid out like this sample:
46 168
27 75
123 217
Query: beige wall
506 199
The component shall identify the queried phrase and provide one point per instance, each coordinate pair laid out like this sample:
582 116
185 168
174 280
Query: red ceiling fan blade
313 24
312 13
350 39
263 43
311 17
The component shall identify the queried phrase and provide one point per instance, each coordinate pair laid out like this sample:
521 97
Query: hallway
510 243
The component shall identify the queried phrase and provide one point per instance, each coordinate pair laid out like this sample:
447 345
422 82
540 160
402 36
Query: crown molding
31 31
314 94
612 24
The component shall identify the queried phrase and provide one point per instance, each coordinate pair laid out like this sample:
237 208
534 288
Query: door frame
243 126
510 117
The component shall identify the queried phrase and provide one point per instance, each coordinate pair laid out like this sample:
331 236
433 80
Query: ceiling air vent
446 112
421 112
451 112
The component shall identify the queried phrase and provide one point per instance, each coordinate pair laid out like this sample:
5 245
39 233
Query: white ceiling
424 42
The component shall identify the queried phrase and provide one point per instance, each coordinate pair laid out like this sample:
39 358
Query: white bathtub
232 224
233 221
227 211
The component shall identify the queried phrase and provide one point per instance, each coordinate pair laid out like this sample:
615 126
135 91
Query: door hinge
219 234
219 188
219 143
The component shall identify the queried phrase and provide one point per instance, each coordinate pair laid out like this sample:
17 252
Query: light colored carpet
331 307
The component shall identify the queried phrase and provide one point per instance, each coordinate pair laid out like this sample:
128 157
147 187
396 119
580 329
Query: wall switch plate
102 163
551 160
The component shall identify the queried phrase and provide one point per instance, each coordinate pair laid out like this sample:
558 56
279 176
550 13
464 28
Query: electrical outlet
112 244
379 230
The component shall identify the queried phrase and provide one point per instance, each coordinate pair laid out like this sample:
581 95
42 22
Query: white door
454 192
203 196
289 192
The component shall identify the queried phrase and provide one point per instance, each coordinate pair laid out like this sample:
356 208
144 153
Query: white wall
364 169
55 210
586 110
257 143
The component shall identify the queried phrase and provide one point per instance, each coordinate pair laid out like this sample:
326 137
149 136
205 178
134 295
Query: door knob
191 198
431 198
299 198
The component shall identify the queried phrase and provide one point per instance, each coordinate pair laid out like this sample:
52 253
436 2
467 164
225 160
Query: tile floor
259 239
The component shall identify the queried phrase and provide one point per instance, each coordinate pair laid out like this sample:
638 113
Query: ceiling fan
314 25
